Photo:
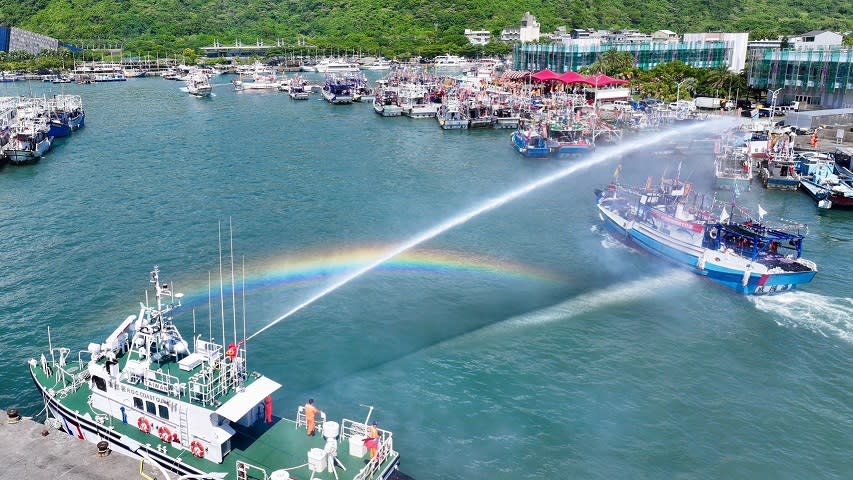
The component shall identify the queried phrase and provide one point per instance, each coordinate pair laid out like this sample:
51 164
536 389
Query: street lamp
773 103
678 91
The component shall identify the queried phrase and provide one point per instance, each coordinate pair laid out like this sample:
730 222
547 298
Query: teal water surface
524 343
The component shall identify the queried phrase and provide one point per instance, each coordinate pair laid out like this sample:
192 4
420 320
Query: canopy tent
515 74
545 75
573 77
602 80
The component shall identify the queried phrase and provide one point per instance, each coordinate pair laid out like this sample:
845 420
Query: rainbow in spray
317 267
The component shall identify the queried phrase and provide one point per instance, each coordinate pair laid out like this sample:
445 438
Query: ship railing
161 381
374 466
246 471
211 381
300 418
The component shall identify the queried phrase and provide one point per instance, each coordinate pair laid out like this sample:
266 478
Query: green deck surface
279 445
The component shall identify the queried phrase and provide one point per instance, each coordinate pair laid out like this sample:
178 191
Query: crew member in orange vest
373 433
310 413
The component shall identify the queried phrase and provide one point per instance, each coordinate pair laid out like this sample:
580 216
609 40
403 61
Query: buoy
197 449
165 434
143 424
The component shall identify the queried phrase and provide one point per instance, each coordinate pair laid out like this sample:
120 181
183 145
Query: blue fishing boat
530 143
744 255
66 115
569 139
337 90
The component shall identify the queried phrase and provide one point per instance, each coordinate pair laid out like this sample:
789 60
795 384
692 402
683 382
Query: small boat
733 169
66 115
505 117
198 83
328 66
337 90
28 141
451 116
744 255
262 78
298 89
568 139
530 143
386 103
191 405
830 184
110 77
479 115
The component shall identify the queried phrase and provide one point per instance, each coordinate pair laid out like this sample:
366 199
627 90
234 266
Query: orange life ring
143 424
197 449
166 435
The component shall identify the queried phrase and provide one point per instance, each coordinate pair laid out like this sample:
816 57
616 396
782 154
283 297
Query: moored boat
744 255
29 141
337 91
66 115
530 143
193 408
386 103
827 182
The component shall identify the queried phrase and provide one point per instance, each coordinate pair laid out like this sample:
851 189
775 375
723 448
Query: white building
736 42
816 39
478 37
664 36
526 33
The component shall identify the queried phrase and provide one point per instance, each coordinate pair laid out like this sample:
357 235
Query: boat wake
607 240
828 316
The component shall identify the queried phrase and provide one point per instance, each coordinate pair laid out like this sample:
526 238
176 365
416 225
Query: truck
709 103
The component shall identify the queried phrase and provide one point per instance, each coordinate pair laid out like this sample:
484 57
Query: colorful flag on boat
724 216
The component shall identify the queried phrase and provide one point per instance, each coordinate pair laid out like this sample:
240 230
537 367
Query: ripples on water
610 365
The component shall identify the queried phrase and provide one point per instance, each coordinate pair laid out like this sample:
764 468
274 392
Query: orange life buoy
166 435
197 449
143 424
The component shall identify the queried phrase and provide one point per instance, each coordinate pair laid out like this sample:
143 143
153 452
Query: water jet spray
484 207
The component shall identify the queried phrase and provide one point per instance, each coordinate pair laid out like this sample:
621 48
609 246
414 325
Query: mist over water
609 365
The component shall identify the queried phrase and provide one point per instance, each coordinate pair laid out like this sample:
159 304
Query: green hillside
397 26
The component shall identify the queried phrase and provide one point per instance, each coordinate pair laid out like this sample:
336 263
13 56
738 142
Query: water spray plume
478 210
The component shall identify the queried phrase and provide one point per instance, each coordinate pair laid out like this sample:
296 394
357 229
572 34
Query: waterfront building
478 37
815 77
736 43
527 32
13 39
562 57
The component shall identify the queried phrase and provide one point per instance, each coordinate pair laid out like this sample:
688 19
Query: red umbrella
545 75
602 80
573 77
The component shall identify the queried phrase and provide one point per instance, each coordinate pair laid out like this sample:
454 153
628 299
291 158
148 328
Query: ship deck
282 444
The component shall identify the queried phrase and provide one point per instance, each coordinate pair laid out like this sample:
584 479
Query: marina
499 322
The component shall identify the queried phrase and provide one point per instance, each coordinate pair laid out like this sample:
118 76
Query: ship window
163 412
137 403
99 382
150 407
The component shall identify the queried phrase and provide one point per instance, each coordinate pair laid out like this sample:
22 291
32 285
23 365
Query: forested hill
399 26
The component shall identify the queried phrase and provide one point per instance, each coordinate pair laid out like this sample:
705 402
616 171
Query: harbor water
522 343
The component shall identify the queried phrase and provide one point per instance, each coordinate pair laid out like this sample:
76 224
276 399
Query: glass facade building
815 77
562 57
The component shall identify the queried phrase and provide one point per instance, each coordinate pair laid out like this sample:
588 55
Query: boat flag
724 216
616 173
761 212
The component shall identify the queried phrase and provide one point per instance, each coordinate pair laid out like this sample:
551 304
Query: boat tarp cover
244 401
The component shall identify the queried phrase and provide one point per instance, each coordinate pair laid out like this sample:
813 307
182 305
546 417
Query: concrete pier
31 454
